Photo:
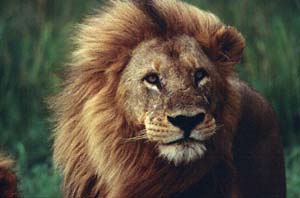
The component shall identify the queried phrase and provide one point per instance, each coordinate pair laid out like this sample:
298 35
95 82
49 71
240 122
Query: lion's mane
91 126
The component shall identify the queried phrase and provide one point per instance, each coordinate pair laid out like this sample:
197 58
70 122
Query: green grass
34 44
292 161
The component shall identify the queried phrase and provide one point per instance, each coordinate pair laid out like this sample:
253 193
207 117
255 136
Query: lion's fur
8 179
91 126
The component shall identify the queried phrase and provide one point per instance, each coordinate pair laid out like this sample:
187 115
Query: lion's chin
182 153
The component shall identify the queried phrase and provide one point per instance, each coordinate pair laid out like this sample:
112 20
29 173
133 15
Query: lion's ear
226 46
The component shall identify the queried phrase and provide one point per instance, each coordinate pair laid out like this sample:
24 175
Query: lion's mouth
183 141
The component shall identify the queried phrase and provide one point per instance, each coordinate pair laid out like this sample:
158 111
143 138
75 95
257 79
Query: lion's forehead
174 58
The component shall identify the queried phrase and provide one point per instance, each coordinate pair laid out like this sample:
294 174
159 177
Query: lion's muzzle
181 135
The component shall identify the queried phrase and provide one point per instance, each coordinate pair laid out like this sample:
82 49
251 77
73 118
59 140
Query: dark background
35 42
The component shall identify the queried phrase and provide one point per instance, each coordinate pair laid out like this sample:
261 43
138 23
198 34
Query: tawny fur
91 126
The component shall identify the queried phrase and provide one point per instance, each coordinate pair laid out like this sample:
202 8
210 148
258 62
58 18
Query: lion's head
148 86
171 89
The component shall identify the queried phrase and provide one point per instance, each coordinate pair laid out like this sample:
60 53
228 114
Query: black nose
186 123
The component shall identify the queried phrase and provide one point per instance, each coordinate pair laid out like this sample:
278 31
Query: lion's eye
200 75
152 79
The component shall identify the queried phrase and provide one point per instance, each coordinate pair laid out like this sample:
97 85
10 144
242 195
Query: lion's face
170 90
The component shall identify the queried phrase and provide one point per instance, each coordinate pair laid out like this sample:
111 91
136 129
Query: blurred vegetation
34 43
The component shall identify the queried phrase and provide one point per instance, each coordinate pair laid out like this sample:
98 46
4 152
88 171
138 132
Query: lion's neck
155 178
150 176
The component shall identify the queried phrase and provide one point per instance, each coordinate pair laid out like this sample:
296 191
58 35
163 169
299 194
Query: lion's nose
186 123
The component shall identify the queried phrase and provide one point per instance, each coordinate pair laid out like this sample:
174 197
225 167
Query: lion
8 179
152 107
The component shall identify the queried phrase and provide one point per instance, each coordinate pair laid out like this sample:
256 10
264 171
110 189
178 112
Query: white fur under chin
182 153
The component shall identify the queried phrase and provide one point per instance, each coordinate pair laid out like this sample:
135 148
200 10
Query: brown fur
8 180
92 122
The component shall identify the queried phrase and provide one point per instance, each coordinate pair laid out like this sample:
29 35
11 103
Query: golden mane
91 127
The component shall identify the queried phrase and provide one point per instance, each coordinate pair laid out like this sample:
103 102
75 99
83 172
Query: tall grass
34 43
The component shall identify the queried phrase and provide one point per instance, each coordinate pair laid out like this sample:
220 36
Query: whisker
135 138
143 136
